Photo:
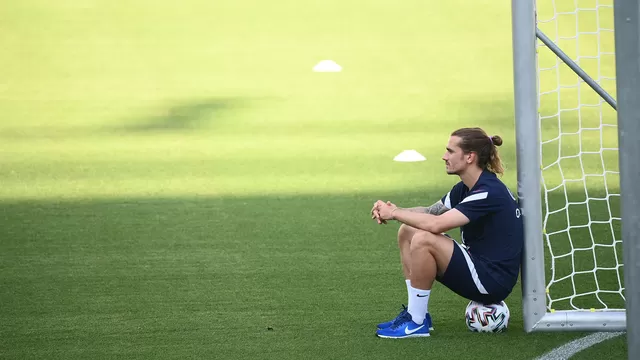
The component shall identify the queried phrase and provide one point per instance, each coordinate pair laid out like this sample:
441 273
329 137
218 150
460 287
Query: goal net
579 158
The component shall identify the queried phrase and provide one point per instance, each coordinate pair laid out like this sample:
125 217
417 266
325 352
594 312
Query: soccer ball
487 317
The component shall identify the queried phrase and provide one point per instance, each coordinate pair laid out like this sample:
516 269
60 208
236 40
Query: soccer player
485 267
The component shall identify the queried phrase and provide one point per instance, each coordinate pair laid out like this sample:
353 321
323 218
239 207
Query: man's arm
436 209
433 223
421 219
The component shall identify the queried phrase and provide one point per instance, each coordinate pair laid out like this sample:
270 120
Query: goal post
627 25
568 171
527 147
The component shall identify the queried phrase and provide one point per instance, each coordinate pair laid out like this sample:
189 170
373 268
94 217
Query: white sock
419 304
408 290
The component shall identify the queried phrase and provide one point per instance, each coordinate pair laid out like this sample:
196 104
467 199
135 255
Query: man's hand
375 212
385 211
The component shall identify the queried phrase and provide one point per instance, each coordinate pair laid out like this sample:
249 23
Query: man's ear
471 157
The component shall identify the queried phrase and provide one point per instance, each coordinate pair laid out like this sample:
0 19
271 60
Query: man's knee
424 239
406 233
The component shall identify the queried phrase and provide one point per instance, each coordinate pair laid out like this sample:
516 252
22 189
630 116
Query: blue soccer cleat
404 327
388 324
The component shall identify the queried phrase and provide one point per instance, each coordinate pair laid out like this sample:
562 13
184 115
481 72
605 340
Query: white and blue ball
493 318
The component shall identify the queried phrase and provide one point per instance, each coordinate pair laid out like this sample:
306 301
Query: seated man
485 267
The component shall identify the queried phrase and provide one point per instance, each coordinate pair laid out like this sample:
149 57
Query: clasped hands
383 211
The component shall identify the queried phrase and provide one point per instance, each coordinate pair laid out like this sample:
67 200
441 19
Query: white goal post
568 170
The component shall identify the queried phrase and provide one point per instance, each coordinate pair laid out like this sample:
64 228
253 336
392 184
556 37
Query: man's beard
450 171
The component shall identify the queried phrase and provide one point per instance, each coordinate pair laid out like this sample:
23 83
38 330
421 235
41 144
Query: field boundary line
569 349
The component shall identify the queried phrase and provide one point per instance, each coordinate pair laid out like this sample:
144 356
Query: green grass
190 277
615 348
177 183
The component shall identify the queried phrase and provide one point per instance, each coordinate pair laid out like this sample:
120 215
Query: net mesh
579 152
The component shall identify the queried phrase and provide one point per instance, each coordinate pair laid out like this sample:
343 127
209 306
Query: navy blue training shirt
494 234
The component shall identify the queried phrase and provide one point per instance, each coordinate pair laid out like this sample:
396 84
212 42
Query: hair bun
496 140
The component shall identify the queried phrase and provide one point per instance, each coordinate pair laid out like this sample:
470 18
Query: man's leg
428 255
405 234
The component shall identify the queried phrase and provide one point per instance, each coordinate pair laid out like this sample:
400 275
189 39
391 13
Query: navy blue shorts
470 279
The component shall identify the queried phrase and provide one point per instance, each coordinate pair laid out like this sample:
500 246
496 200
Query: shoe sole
403 337
430 329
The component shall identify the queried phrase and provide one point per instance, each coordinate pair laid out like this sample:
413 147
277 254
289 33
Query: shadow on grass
180 117
189 116
231 277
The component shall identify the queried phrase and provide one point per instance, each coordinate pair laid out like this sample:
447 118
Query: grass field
177 183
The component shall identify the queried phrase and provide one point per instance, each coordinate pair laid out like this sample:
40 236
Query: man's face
454 158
